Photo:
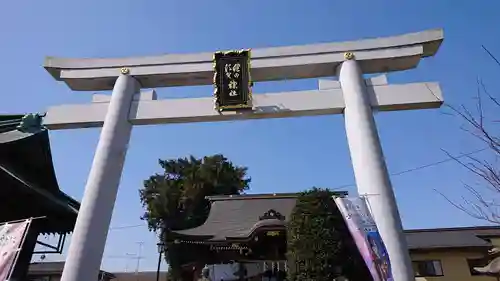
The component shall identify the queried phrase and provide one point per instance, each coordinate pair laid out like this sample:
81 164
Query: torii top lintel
292 62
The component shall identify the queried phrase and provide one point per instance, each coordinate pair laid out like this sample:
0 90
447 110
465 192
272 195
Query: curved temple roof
29 186
291 62
238 216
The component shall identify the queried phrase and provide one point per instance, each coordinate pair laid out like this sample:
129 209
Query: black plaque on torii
232 82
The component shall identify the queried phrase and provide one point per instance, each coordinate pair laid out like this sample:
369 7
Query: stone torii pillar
351 95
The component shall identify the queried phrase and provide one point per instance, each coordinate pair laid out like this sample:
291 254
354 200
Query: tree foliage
175 198
319 245
482 123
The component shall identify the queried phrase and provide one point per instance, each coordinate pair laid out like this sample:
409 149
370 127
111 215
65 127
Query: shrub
319 245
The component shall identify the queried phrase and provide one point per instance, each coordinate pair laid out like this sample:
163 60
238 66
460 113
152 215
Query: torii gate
351 96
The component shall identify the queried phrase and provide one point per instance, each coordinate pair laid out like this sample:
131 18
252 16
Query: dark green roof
29 186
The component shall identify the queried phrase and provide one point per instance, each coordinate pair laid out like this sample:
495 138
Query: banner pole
22 220
366 198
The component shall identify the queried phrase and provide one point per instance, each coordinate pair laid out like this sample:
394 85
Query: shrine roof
29 186
237 216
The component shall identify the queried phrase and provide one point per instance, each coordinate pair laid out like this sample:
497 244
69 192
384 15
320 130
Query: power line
125 226
125 257
451 158
432 164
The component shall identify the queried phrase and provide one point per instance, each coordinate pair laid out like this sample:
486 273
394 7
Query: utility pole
139 257
128 257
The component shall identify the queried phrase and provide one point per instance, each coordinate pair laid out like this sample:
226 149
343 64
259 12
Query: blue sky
283 155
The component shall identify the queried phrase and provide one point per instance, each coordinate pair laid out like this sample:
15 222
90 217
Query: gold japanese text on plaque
232 82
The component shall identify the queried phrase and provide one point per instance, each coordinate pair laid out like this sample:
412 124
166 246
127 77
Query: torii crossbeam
147 110
352 96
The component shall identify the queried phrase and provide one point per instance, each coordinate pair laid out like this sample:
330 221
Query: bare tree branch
491 55
482 202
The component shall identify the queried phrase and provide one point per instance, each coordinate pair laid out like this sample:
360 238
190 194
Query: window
476 263
427 268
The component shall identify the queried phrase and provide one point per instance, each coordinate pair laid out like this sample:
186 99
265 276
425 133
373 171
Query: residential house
52 271
450 254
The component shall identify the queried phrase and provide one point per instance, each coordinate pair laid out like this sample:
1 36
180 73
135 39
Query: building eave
27 171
